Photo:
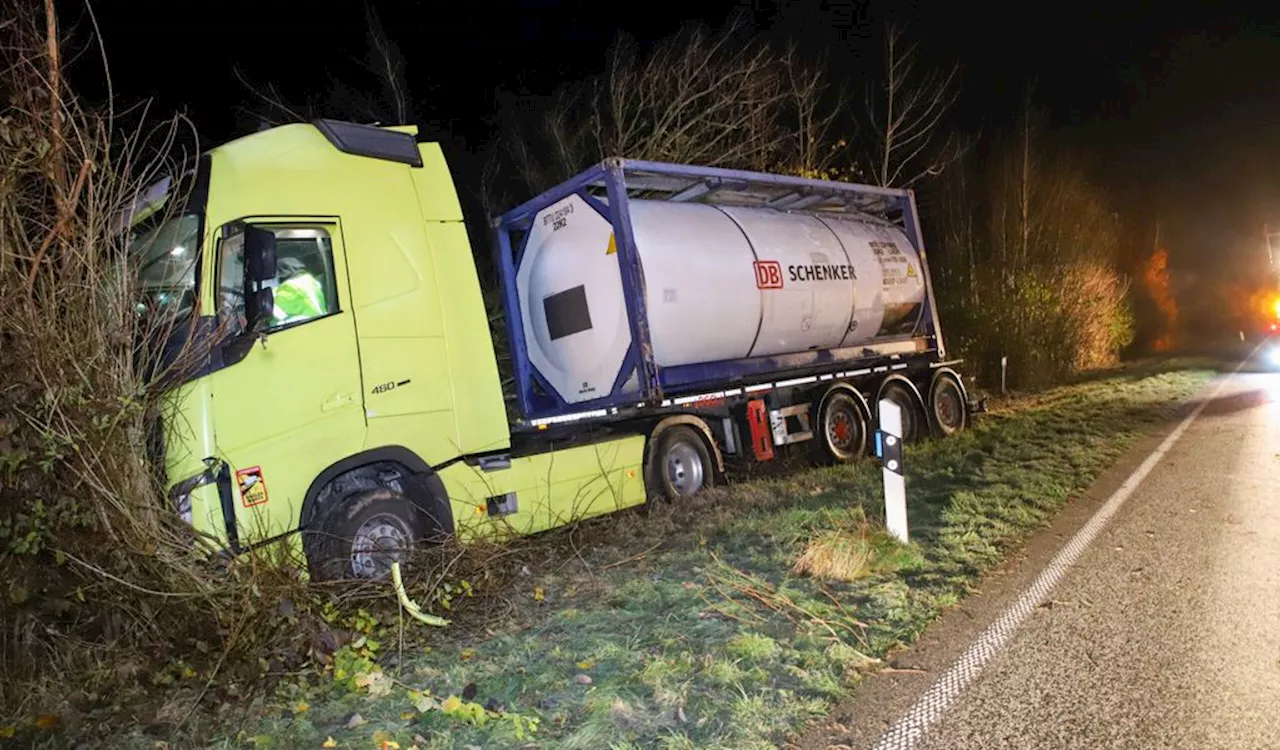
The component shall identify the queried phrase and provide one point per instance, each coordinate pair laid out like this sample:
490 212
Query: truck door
292 404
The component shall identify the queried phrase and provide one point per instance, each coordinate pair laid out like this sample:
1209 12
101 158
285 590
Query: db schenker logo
768 274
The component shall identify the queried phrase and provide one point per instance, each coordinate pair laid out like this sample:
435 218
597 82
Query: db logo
768 274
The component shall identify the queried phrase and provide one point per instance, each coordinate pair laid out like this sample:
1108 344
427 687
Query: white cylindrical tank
721 283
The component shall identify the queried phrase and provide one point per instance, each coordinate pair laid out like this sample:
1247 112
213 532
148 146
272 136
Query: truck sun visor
366 140
567 312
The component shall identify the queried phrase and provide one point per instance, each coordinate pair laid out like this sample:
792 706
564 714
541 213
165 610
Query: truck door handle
336 401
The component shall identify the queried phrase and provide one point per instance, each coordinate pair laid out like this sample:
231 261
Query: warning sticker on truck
253 490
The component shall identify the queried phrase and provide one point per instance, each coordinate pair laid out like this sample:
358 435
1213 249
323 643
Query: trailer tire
914 422
843 425
679 465
947 412
363 534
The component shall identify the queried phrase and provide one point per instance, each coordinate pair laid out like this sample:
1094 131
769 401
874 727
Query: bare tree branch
905 112
387 65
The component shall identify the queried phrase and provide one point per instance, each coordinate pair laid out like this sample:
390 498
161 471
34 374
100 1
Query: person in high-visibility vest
300 296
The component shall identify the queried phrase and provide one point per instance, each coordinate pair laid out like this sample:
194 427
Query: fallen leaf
539 594
422 702
355 721
585 664
451 704
406 715
329 742
376 682
47 721
301 707
467 654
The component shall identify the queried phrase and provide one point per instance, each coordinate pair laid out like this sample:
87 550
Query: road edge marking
929 708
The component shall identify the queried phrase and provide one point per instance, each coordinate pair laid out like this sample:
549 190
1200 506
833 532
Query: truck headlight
180 493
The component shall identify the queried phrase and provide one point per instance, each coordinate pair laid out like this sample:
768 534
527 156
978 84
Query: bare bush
1026 267
379 93
723 99
94 563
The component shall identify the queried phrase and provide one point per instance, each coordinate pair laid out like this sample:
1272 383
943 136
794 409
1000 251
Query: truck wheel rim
684 468
380 541
947 407
842 429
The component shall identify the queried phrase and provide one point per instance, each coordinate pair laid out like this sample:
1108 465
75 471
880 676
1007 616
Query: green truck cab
385 393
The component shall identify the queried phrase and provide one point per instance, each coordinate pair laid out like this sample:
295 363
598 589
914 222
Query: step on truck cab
663 320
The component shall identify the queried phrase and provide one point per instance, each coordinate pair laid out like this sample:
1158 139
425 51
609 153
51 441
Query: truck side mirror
259 255
259 278
259 308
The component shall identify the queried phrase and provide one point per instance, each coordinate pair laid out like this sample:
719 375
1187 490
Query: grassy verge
689 627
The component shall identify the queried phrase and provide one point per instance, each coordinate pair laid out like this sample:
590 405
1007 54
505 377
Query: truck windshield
167 253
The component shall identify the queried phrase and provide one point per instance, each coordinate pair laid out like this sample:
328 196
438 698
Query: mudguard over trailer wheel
679 464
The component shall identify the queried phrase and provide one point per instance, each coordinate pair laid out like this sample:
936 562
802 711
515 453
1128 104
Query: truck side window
305 286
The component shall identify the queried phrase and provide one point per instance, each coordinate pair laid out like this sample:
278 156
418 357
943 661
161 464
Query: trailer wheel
364 534
842 426
913 418
946 405
680 464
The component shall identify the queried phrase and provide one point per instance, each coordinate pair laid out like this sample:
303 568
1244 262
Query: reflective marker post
889 451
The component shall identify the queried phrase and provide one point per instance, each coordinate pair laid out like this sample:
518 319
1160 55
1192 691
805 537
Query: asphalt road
1164 633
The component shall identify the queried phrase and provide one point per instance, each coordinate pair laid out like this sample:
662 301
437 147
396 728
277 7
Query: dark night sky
1177 109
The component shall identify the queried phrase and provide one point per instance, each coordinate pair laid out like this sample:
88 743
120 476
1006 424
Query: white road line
911 728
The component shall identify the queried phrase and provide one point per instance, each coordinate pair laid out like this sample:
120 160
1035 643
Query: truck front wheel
679 464
363 535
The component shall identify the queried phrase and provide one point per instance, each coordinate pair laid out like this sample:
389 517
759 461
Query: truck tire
842 428
679 464
947 412
363 534
913 418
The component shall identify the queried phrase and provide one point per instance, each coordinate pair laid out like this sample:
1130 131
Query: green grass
690 622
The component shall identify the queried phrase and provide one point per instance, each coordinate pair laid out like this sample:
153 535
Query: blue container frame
536 397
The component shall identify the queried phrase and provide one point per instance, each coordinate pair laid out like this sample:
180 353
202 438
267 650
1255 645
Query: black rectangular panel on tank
567 312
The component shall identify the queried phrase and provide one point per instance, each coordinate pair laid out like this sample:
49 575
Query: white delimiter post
895 490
